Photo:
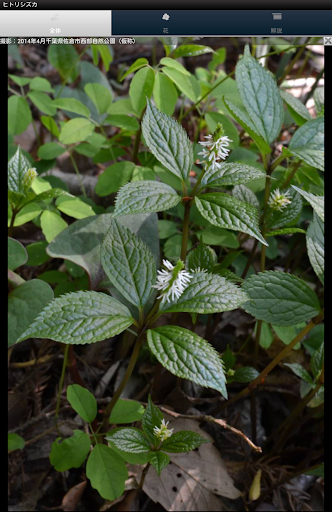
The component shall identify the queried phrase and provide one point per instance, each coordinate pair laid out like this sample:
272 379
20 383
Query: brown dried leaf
72 497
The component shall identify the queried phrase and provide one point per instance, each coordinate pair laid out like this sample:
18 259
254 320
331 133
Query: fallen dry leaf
72 497
193 479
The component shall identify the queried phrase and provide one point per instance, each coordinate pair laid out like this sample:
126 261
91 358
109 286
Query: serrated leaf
80 318
260 96
158 460
246 195
226 211
317 361
280 298
188 356
15 442
168 141
307 143
151 418
317 202
319 99
128 264
145 197
231 174
72 105
129 440
315 246
107 472
285 231
245 374
299 112
241 117
207 293
279 218
99 95
141 87
19 115
50 150
126 411
82 401
203 257
131 458
183 441
17 254
18 166
24 304
138 64
76 130
71 452
300 372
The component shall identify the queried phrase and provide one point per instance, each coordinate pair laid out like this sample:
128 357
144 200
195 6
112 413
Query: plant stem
144 473
262 376
250 259
292 63
78 173
64 364
276 162
292 174
138 139
185 232
12 220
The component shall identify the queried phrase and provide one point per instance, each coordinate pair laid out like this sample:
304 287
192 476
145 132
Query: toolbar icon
327 41
165 16
277 15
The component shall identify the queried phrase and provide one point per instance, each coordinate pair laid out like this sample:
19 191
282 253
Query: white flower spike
163 432
172 281
279 200
215 148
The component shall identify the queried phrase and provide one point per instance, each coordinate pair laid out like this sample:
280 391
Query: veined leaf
203 257
317 202
71 452
168 141
126 411
165 94
300 372
183 441
107 472
317 361
19 115
246 195
141 87
99 95
80 318
43 102
227 211
15 442
260 96
307 143
72 105
138 64
76 130
188 356
17 254
207 293
191 50
129 440
18 166
231 174
188 84
315 246
280 298
319 100
159 460
82 401
279 218
299 112
152 417
285 231
128 263
144 197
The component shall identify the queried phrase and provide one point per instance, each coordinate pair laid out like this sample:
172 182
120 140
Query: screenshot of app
165 256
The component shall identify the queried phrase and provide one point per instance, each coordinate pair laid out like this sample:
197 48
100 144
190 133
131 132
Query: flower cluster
215 148
29 177
279 200
163 432
172 281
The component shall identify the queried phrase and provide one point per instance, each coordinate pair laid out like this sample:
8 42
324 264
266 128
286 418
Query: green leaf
52 224
266 337
76 130
168 141
15 442
37 253
18 166
288 215
17 254
218 58
315 246
72 105
128 264
183 441
50 150
40 84
164 94
246 195
48 194
64 59
243 119
19 115
131 458
212 235
226 211
121 107
318 98
191 50
138 64
114 177
188 356
300 372
43 102
71 452
124 122
129 440
24 304
144 197
51 125
280 298
80 318
231 174
317 472
151 418
126 411
203 257
82 401
74 207
167 228
159 460
213 118
207 293
307 143
299 112
107 472
285 231
317 361
187 83
260 96
245 374
106 55
100 96
229 359
317 202
20 80
143 173
140 88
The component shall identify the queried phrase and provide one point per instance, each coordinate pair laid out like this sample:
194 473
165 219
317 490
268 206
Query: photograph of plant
166 274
